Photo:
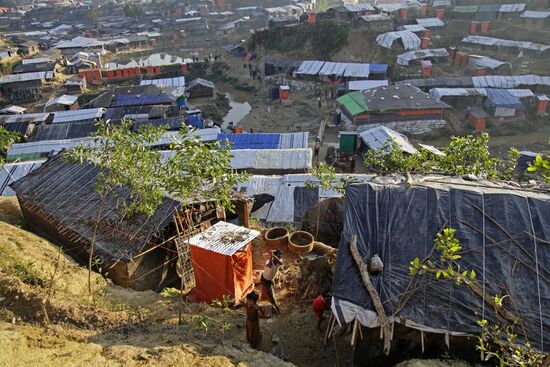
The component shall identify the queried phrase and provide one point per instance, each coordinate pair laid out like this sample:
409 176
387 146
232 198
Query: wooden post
363 270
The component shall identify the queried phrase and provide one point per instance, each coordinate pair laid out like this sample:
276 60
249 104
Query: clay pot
276 237
300 242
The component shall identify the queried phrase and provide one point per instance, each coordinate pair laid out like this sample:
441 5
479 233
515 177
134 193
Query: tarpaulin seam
537 269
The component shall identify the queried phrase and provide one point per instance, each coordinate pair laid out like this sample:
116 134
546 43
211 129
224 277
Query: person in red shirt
319 306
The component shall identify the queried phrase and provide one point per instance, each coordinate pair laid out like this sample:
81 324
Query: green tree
7 139
92 15
133 11
464 155
541 166
193 171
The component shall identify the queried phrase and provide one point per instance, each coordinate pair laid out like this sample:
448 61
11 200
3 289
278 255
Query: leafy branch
497 340
7 139
464 155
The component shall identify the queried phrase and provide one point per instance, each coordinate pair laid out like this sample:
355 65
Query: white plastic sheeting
511 8
365 84
441 3
410 40
271 159
535 14
430 22
415 28
405 58
12 172
281 210
498 42
456 92
293 140
169 82
65 99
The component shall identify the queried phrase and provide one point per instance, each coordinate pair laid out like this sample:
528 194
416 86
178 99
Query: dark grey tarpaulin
400 223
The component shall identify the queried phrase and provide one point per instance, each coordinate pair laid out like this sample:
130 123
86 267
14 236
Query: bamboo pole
363 270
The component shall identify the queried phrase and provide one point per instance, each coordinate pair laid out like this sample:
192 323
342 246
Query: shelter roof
224 238
410 40
379 138
535 14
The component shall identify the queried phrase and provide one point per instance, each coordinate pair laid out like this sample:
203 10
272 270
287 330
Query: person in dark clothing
253 314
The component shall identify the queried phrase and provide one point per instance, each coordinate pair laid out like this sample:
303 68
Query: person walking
272 266
253 313
319 100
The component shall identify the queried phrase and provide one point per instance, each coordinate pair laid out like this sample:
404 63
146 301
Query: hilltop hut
503 233
59 201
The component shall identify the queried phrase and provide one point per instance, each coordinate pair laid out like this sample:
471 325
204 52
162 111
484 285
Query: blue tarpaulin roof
195 121
378 68
251 141
503 98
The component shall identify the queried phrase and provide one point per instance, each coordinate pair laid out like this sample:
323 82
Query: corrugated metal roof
379 137
28 117
224 238
432 149
40 147
410 40
392 7
35 61
490 41
535 14
488 62
80 42
358 7
25 77
77 115
310 67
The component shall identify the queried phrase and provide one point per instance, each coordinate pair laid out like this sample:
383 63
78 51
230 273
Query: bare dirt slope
119 327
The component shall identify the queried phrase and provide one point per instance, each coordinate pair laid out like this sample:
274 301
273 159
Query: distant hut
200 88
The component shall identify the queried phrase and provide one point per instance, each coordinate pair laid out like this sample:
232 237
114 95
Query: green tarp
354 102
466 9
